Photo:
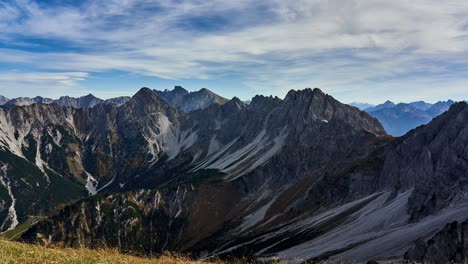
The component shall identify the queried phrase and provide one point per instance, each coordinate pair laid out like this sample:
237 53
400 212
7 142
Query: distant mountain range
398 119
179 97
361 106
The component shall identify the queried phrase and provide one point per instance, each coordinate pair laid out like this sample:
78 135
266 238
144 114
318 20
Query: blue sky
366 50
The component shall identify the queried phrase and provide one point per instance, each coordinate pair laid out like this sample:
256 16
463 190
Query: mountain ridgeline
398 119
179 97
300 178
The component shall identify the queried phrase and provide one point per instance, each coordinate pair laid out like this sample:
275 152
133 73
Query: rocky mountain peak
89 96
189 101
235 103
179 90
260 101
147 101
145 95
304 95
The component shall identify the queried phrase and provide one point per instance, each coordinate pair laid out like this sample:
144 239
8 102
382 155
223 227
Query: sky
363 50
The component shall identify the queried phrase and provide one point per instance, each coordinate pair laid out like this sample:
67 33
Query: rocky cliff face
305 177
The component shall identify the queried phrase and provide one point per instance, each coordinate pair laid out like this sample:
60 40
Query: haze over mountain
301 177
401 118
361 106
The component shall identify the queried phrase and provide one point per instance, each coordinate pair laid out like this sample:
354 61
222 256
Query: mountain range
398 119
178 97
300 178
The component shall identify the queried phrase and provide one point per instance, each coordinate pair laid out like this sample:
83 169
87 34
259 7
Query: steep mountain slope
51 154
305 177
401 118
189 101
3 100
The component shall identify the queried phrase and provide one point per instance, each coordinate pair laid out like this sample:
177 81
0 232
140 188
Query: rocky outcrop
432 160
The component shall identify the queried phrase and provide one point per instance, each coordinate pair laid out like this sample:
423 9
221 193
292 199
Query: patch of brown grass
21 253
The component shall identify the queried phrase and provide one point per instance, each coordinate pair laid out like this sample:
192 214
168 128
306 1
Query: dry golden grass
21 253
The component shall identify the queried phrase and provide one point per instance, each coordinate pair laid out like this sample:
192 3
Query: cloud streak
271 46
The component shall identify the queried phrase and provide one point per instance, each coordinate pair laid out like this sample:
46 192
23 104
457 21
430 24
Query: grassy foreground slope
21 253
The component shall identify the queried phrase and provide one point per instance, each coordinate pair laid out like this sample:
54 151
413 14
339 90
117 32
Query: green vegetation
36 192
15 233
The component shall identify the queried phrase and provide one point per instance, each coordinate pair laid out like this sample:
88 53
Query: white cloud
343 46
14 83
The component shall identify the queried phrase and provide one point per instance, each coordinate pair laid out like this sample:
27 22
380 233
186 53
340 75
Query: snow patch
106 185
91 184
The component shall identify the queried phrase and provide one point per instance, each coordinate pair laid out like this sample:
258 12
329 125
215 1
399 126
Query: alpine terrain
300 178
398 119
